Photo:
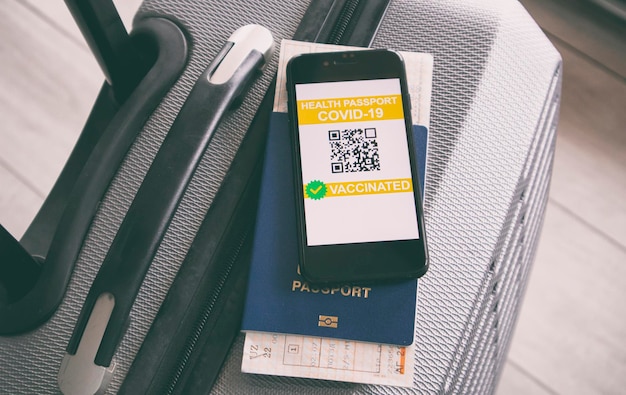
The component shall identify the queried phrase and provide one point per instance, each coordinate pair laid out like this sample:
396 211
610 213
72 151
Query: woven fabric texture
494 111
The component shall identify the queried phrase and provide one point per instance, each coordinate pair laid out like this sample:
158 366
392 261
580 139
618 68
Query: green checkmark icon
315 189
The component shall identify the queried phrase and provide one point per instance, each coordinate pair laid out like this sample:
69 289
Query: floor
570 338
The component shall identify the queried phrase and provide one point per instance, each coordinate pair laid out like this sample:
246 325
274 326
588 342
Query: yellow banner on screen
350 109
317 190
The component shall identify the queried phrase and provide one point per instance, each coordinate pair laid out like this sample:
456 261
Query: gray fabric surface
493 119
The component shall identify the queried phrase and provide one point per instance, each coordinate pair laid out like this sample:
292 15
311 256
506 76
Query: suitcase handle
104 316
18 269
56 234
122 64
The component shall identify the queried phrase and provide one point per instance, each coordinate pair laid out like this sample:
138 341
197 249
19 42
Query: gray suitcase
496 91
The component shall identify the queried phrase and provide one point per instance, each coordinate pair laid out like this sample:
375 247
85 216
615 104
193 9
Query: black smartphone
358 198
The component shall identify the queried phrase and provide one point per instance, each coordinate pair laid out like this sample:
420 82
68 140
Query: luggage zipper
344 22
207 309
340 23
144 226
341 31
352 22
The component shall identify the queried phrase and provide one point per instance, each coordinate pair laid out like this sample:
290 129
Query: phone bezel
371 261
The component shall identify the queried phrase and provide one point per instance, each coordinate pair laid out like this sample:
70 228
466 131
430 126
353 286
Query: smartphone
358 198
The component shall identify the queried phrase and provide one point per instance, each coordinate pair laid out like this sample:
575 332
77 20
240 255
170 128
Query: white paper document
327 359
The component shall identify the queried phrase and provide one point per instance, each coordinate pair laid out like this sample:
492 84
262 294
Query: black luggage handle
104 317
102 27
18 269
35 271
123 67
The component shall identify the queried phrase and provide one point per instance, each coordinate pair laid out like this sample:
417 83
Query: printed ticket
327 359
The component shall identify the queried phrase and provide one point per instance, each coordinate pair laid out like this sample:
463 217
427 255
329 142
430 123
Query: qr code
353 150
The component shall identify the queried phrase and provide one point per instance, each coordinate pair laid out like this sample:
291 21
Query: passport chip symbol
328 321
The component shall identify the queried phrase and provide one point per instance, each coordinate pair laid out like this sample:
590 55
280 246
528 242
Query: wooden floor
571 334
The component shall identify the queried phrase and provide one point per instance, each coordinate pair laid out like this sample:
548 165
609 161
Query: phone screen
355 164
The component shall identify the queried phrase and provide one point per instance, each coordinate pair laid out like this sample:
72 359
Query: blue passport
279 300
